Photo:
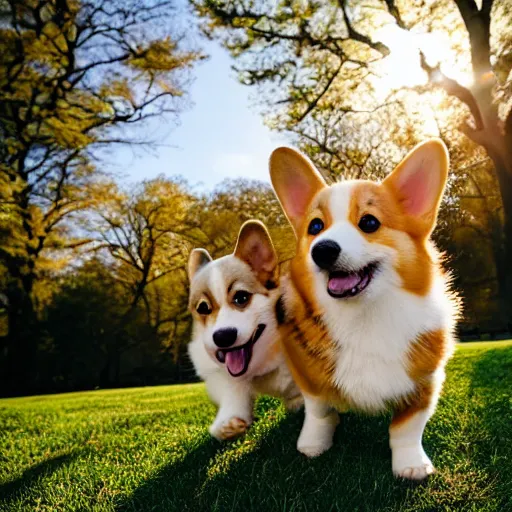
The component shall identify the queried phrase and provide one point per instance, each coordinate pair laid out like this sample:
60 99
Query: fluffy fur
384 343
215 291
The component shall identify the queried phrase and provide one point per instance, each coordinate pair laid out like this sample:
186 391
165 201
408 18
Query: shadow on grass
31 476
273 476
355 474
174 484
265 472
492 386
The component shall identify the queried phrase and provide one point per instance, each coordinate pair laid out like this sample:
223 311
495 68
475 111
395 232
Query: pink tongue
341 284
235 361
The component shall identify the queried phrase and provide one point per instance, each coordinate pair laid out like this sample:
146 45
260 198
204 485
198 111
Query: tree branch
393 10
361 38
478 26
453 88
314 103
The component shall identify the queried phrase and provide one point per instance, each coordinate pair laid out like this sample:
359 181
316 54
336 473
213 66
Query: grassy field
148 449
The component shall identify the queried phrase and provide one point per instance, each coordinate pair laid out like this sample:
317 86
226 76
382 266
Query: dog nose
224 338
325 253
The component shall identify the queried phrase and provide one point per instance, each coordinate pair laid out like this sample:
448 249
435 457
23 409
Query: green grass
148 449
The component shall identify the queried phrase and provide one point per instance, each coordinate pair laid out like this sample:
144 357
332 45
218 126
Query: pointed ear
295 181
198 258
418 183
255 247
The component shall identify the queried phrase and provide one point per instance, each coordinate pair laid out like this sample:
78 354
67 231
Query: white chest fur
373 340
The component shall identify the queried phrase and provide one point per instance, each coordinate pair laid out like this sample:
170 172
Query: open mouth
237 359
343 284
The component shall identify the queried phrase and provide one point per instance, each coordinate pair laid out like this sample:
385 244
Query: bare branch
452 87
312 105
478 26
357 36
393 10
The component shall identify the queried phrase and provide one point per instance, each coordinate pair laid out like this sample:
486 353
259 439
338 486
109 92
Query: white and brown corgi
235 345
369 315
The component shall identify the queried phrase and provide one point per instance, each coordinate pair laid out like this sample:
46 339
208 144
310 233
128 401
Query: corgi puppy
235 347
369 317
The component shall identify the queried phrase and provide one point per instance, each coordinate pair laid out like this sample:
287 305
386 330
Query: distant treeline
113 311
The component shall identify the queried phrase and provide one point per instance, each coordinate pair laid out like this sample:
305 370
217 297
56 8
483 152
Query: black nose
325 253
224 338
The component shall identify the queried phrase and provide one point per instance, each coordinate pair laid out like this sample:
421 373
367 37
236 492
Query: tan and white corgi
369 315
235 346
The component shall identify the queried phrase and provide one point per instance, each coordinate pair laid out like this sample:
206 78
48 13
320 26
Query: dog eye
369 224
241 298
315 226
203 308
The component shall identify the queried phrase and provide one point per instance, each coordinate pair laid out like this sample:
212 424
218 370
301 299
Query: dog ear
198 258
255 247
295 181
418 183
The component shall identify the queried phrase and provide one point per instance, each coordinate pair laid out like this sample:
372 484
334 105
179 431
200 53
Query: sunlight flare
402 68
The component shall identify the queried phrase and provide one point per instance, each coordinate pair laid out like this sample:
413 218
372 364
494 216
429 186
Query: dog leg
320 422
409 459
235 403
295 403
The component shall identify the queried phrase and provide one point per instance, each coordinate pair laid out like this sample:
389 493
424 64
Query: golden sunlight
402 67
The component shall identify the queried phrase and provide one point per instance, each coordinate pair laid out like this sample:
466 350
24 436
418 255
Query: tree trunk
117 367
105 381
19 361
503 168
493 137
19 373
490 133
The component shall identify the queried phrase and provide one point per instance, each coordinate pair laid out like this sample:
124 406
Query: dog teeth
353 291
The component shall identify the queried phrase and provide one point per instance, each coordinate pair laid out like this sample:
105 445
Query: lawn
148 449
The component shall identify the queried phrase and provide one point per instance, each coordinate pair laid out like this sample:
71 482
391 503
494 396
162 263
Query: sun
402 67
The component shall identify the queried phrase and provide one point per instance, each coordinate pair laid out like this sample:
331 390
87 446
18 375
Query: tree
89 341
220 215
115 313
320 65
145 235
81 323
75 77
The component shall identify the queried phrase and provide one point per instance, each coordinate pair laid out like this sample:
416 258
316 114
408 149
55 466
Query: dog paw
411 464
416 473
313 450
229 429
316 436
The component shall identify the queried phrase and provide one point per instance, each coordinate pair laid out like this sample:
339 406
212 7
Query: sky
221 136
